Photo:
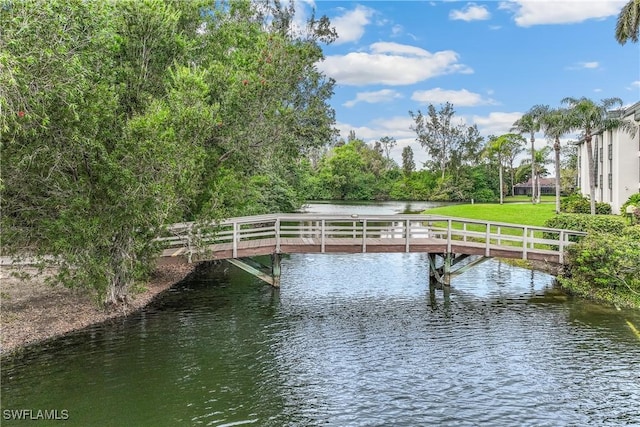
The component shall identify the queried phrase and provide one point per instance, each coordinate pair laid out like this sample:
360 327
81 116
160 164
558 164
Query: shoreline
32 311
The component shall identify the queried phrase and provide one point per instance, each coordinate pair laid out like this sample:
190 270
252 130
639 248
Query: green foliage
577 203
633 200
588 223
606 266
125 116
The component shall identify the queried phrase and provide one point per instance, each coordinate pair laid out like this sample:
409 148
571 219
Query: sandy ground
31 310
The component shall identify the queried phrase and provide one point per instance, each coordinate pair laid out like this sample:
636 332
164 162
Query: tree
123 117
555 124
530 123
449 145
628 24
388 143
97 165
408 165
590 118
501 148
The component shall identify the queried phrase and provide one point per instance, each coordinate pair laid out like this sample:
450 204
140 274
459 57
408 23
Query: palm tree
530 123
555 124
541 157
591 118
628 25
502 148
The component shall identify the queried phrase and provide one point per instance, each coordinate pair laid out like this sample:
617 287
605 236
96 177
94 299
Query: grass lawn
543 199
514 213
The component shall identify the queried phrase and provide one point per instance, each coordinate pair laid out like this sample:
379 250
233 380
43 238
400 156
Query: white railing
362 228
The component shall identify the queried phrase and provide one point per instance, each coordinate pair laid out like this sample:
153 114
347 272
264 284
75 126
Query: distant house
547 186
617 163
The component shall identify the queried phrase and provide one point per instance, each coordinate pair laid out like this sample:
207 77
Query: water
348 340
338 207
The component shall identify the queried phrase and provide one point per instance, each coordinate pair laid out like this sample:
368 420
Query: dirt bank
31 310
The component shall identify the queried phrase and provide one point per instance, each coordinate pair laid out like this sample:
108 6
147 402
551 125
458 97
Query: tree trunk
501 184
556 149
533 169
121 274
592 171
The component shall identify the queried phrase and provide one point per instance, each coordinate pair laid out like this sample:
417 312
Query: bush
606 266
589 223
577 203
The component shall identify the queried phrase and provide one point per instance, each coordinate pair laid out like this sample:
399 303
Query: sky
492 60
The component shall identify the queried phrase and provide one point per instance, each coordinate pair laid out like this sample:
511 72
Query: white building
617 163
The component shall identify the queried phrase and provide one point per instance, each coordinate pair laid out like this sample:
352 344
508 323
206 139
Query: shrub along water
605 265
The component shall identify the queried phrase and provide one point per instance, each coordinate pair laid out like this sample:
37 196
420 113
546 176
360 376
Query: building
617 162
547 187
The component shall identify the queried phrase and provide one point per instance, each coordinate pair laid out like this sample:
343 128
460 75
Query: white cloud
584 65
636 84
472 12
535 12
383 95
496 123
597 90
460 98
350 26
382 64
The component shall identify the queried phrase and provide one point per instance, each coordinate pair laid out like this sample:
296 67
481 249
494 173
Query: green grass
520 213
525 199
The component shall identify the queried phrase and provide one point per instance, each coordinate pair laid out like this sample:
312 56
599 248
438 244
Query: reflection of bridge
450 239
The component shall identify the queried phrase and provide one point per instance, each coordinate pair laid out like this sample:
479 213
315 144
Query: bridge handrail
404 226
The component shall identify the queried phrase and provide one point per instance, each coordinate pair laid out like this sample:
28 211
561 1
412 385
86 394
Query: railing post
464 232
449 235
322 236
532 241
487 249
354 229
277 231
236 238
525 232
364 235
499 234
561 246
407 228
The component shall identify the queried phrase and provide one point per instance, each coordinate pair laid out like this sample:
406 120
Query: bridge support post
267 273
440 275
275 270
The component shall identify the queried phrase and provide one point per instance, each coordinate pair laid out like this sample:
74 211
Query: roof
544 182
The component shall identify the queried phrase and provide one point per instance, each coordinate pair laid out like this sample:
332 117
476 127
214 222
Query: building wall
617 161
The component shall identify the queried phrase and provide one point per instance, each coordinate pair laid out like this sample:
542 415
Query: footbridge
453 244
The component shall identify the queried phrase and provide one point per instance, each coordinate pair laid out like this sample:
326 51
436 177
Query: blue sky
491 60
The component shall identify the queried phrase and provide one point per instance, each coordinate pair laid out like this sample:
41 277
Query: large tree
448 144
120 117
628 24
529 123
555 124
589 118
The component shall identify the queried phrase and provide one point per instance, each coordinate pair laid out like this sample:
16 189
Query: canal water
348 340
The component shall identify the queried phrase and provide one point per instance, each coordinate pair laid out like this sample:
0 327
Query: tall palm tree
530 123
501 149
541 157
555 124
628 25
590 118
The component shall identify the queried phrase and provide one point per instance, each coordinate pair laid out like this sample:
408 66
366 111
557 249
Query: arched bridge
449 239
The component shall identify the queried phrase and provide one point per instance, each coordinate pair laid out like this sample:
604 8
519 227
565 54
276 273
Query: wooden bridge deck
286 233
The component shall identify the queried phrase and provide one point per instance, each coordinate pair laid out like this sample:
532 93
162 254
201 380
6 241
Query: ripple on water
352 340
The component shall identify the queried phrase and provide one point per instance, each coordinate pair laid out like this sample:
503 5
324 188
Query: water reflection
348 340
